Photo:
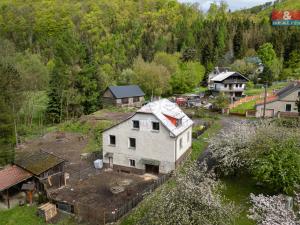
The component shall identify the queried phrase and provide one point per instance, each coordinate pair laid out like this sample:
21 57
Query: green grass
200 89
201 143
26 215
198 147
20 215
237 190
242 108
260 90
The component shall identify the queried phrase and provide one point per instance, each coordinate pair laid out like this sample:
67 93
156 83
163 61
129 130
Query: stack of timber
47 211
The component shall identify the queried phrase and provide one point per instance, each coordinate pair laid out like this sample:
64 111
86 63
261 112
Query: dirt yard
64 145
95 192
89 192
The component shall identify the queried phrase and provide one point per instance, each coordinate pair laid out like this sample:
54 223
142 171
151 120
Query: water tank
98 164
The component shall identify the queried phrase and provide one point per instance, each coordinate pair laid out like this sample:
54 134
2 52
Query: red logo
286 15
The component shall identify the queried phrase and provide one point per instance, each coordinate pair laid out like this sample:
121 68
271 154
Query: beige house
156 139
284 101
124 96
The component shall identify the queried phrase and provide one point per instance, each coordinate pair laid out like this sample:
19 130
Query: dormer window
178 122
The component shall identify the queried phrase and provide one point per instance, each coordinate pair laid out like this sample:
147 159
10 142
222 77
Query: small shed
12 176
47 168
128 95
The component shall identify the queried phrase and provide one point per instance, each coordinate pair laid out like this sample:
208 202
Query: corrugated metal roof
126 91
37 162
11 176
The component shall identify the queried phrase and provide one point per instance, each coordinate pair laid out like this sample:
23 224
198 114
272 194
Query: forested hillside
57 57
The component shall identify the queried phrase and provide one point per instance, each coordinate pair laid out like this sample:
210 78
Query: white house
284 101
156 139
229 82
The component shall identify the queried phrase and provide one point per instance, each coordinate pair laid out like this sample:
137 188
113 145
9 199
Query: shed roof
11 176
126 91
37 162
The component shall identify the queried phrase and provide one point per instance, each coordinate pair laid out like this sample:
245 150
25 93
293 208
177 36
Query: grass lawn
198 147
20 215
242 108
26 215
201 143
237 190
257 91
200 89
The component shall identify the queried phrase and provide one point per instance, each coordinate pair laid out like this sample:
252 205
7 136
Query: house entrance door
151 169
110 161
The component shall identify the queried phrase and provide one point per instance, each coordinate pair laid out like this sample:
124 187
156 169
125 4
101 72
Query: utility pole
265 100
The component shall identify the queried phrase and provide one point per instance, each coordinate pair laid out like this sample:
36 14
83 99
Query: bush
275 158
270 153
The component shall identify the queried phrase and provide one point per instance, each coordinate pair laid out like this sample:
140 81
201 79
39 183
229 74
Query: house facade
284 101
231 83
156 139
124 96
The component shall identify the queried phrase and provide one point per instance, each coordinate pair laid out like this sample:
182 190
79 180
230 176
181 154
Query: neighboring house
130 95
217 70
156 139
47 169
231 83
257 62
284 101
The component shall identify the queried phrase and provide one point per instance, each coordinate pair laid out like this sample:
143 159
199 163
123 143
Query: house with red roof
282 102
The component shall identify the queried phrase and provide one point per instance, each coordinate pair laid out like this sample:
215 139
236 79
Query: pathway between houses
226 122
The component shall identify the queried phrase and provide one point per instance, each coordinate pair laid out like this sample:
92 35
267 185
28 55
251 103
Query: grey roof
126 91
253 59
288 89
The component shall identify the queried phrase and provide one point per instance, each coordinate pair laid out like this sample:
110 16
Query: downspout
175 151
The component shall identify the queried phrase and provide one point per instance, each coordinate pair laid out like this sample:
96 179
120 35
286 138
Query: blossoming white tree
193 200
272 210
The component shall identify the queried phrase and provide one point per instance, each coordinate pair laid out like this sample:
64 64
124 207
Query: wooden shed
47 168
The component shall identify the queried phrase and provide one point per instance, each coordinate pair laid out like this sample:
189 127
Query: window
180 143
124 100
299 94
112 139
132 143
288 107
178 122
237 85
188 137
155 126
136 99
225 85
241 85
132 162
136 124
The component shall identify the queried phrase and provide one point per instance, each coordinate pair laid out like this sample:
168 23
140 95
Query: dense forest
57 57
